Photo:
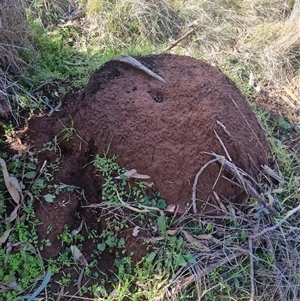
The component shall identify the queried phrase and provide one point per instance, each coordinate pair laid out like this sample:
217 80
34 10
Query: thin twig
194 195
184 283
227 154
146 208
251 271
217 179
291 212
258 140
219 123
180 39
247 187
61 292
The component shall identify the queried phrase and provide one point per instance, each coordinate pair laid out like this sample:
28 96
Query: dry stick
194 195
219 123
180 39
217 179
146 208
136 64
290 213
248 124
61 292
189 280
249 189
223 145
267 170
251 271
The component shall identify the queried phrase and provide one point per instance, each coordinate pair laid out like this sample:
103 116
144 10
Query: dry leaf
172 232
4 236
271 199
132 173
136 231
204 236
149 185
11 183
251 79
195 242
113 293
14 214
13 284
20 246
278 190
78 256
291 94
171 208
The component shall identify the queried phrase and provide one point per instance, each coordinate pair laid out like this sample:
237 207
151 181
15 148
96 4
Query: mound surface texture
166 130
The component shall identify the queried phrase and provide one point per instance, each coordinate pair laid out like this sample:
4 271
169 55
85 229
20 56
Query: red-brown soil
166 139
162 130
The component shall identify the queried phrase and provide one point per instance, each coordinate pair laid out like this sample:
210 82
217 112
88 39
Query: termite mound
166 130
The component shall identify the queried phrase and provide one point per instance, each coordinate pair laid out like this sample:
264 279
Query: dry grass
14 33
263 265
14 36
261 36
131 22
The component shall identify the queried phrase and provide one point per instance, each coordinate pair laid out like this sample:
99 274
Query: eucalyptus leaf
40 288
11 183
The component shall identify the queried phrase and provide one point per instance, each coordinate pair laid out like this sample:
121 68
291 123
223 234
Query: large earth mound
165 130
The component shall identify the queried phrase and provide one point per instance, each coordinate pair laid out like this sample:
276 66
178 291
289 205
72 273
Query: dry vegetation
14 37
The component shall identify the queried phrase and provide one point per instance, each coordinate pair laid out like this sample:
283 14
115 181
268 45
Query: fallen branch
252 296
292 212
241 178
146 208
245 184
184 283
194 194
180 39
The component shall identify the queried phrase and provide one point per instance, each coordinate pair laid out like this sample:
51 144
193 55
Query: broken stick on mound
136 64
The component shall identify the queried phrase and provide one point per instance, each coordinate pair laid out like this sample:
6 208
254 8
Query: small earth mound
166 130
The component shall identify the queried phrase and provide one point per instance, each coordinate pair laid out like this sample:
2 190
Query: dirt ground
165 130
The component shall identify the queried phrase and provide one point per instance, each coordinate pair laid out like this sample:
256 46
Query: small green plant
65 237
20 267
68 132
169 256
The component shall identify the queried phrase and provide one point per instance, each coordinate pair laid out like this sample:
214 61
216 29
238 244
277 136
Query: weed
14 267
68 132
